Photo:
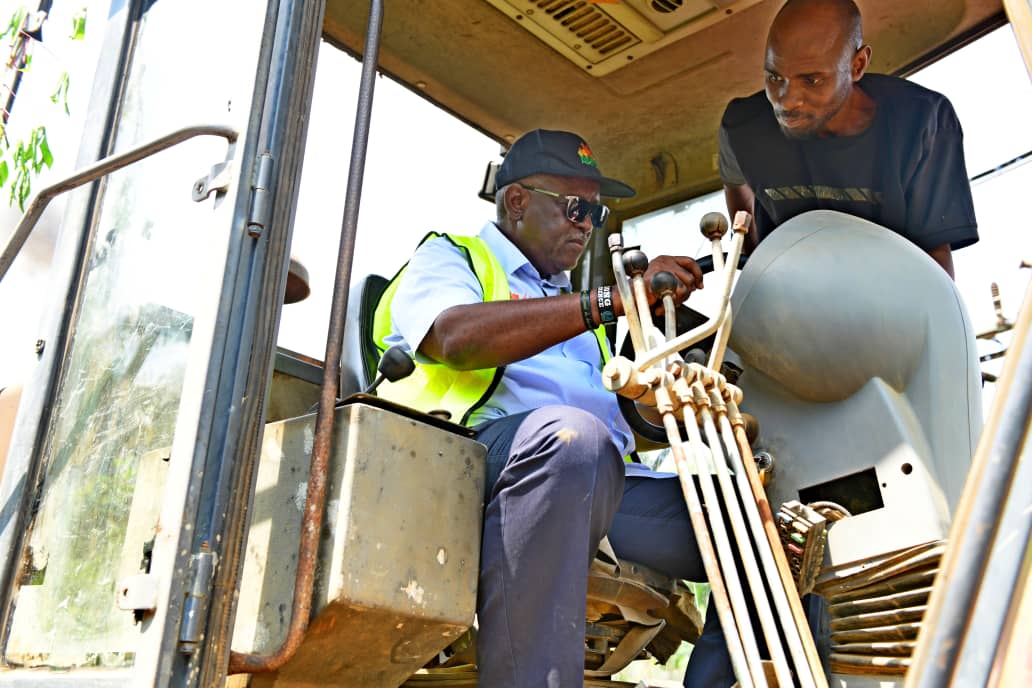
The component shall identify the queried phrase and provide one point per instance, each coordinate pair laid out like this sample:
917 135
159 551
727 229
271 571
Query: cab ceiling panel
645 81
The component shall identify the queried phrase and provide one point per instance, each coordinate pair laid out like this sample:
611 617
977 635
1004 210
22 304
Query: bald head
822 21
815 56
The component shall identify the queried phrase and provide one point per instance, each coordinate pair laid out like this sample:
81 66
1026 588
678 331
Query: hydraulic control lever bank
706 433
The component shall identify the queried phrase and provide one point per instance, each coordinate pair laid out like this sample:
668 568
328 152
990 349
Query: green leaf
60 94
79 25
23 192
14 26
44 149
3 172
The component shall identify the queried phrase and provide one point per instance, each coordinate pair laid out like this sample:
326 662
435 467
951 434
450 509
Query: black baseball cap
555 152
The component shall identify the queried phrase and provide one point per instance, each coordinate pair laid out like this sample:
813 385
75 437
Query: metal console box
397 573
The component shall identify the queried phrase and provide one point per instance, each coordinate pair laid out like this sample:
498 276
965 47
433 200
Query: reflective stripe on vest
434 386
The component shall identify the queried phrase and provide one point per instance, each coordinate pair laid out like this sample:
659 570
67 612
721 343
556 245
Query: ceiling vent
601 37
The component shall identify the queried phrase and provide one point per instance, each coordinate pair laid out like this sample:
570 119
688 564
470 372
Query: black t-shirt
905 172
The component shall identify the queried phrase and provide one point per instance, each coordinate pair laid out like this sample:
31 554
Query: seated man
825 135
503 344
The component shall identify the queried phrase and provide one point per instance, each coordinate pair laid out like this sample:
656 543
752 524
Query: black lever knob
713 225
635 262
394 365
663 283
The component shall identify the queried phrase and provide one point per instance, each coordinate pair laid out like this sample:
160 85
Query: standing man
502 343
824 134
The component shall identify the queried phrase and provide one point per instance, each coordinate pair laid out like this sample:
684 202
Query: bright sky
425 167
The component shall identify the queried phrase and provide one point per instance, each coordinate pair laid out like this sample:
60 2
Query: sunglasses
577 208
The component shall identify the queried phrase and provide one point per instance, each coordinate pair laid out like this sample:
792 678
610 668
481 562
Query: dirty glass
147 271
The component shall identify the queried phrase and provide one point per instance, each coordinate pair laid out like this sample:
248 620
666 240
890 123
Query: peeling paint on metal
301 496
309 438
414 592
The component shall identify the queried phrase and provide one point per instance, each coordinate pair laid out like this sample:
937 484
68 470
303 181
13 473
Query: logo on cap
584 153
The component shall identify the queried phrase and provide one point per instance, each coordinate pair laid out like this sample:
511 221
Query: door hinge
261 200
195 610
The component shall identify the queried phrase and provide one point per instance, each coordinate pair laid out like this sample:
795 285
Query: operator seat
359 354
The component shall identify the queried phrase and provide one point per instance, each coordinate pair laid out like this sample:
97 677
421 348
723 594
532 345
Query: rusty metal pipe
315 500
718 593
753 575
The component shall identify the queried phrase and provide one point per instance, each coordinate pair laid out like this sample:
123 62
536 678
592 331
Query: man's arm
943 255
741 197
737 192
488 335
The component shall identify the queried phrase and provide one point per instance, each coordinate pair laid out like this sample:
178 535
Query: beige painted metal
739 228
601 38
797 629
1020 14
399 553
708 416
487 69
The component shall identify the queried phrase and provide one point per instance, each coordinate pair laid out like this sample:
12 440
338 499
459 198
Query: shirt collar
513 260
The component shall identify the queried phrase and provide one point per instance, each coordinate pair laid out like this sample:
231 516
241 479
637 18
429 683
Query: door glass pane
148 269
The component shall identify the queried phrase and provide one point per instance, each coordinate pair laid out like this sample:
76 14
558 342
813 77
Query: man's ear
861 61
515 200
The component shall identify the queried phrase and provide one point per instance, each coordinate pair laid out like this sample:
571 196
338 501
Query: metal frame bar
225 513
963 569
316 495
95 171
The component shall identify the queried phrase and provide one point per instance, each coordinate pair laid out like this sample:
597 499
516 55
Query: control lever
636 263
714 226
663 285
394 365
626 297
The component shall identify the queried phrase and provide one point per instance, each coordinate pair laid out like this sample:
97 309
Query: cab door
130 466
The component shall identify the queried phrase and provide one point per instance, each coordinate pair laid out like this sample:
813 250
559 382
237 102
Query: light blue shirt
438 277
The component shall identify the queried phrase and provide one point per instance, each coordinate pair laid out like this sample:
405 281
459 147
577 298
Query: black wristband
585 310
604 296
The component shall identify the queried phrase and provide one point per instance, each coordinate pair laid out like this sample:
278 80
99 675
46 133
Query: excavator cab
173 512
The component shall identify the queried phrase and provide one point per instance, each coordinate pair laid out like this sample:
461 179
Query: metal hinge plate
196 607
261 199
217 180
138 593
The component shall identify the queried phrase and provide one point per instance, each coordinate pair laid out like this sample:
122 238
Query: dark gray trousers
555 486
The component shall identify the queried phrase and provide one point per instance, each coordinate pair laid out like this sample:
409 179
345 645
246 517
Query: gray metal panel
830 301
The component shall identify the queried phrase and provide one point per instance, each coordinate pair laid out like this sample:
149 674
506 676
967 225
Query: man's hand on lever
488 335
686 270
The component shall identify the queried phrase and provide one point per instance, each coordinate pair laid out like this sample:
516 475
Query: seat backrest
359 354
861 367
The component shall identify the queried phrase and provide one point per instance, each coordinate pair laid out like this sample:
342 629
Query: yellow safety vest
435 386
